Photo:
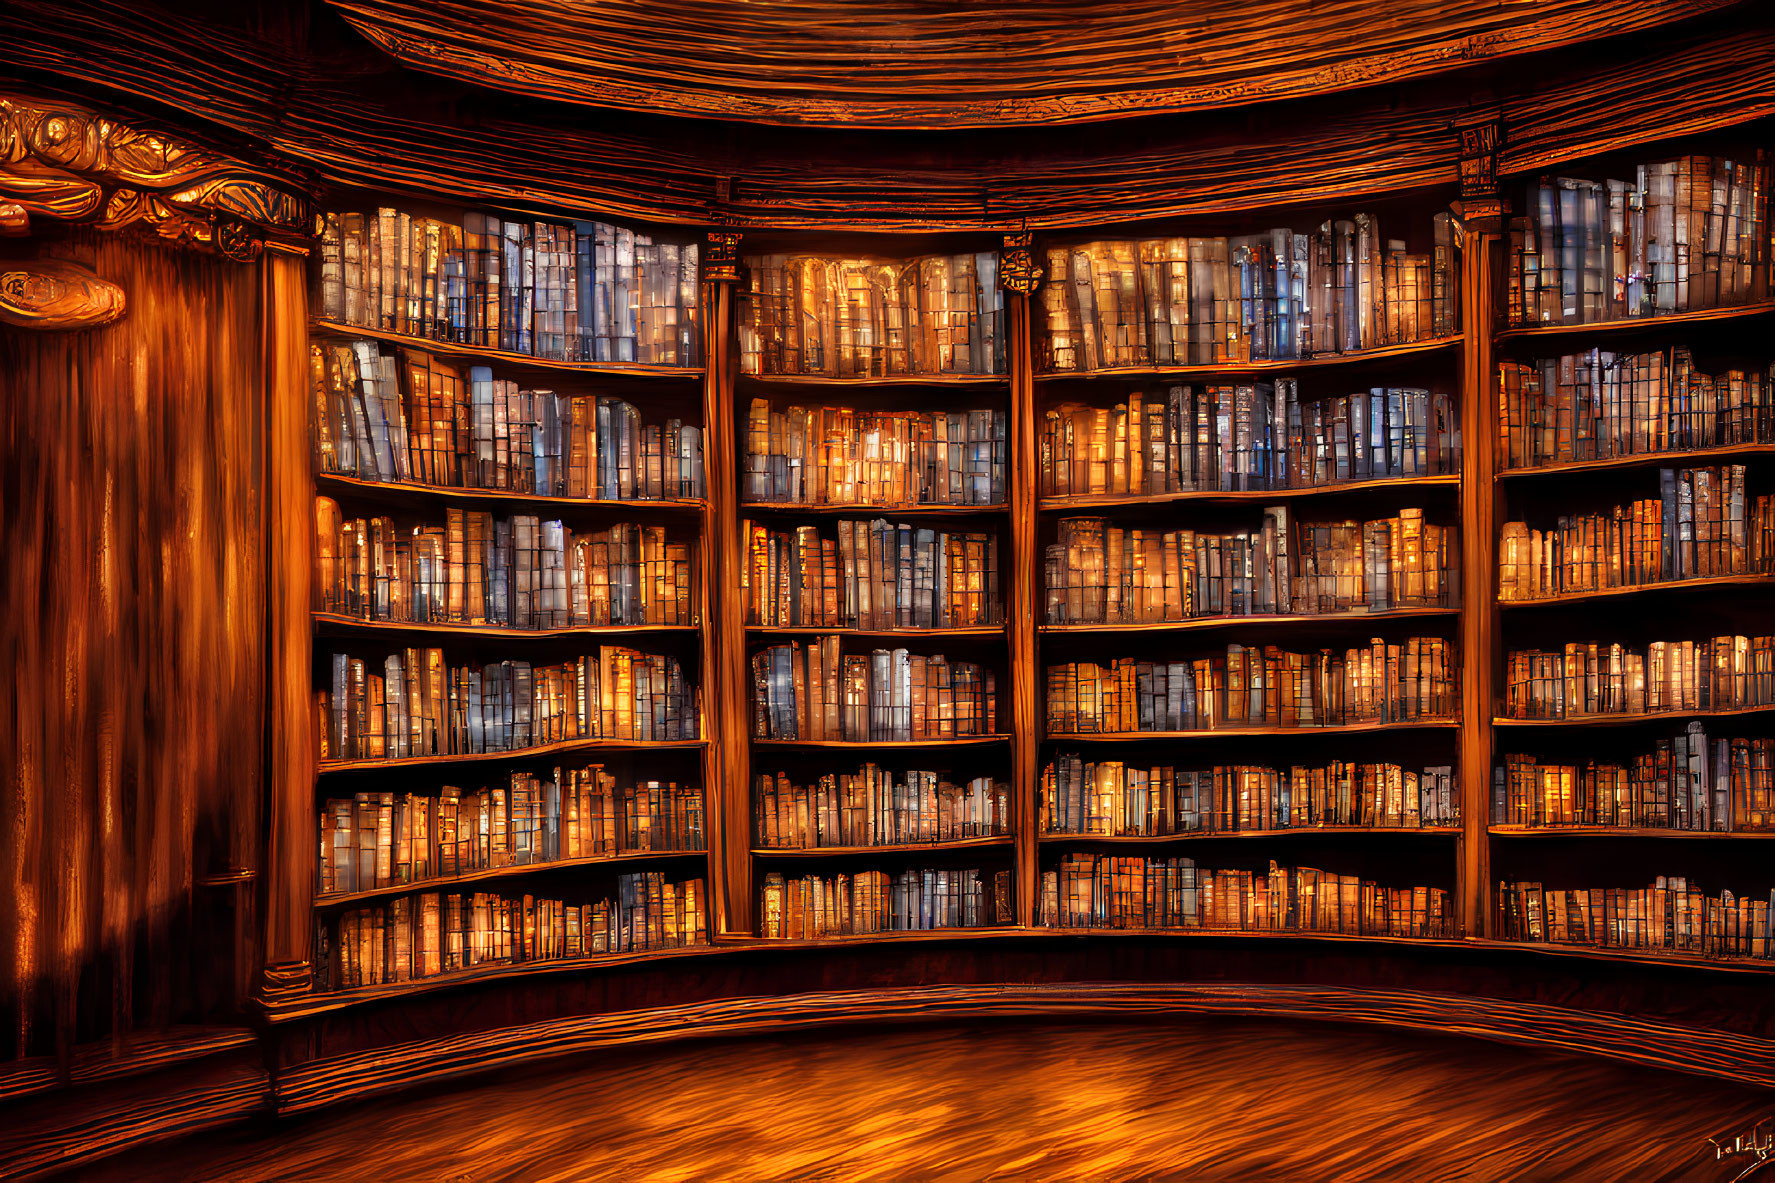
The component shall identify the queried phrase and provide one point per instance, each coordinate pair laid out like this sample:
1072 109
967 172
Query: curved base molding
1738 1058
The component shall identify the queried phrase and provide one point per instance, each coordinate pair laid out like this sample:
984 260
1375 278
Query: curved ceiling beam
919 64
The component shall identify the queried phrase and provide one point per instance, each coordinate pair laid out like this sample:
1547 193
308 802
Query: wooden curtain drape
131 530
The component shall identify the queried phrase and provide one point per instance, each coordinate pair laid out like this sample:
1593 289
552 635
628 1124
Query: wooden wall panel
130 522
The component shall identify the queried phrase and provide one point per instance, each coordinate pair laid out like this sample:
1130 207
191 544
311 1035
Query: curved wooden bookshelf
844 511
1264 620
1641 956
623 858
337 623
863 745
1661 832
530 753
1060 838
1665 586
992 842
1635 324
500 357
1282 365
1115 500
748 383
346 486
1247 732
1635 720
1680 459
811 630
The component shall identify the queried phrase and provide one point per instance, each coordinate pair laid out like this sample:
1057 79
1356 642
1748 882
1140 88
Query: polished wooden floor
1209 1100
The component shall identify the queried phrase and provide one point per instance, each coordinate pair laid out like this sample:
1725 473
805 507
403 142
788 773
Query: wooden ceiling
296 86
923 64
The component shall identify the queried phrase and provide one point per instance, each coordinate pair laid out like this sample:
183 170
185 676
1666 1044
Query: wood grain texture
909 63
132 524
326 101
1020 610
1481 633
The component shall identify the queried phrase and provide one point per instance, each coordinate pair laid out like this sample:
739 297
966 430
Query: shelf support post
1019 276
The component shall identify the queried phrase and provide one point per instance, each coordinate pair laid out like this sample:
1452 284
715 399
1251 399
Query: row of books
1701 524
1686 782
877 575
1282 294
827 455
520 572
1243 437
1096 572
1115 798
871 808
584 291
810 906
1113 891
418 706
813 691
429 933
1252 686
373 840
1599 405
1668 915
872 317
421 420
1683 234
1713 674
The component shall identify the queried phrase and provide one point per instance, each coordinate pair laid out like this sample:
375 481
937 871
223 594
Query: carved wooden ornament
63 163
57 294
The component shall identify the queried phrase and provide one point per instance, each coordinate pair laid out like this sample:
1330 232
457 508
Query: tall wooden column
291 745
1482 212
1017 275
726 767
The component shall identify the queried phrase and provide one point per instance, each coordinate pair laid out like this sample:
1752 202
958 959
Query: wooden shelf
1634 720
323 1001
761 382
808 630
1644 589
1282 366
1116 500
1623 832
340 899
571 745
1686 459
328 623
960 741
873 511
346 486
1634 324
1639 956
1053 838
1264 620
1246 732
995 842
500 357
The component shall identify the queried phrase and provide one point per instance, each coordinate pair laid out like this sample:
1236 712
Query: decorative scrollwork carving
1017 269
66 164
57 294
1481 138
721 262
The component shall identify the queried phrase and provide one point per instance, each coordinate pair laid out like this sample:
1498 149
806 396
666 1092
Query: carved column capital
1017 269
721 261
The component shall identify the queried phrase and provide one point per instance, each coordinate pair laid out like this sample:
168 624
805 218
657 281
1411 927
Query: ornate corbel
62 163
1017 269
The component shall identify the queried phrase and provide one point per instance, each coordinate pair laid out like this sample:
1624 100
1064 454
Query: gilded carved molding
56 294
62 163
1017 269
